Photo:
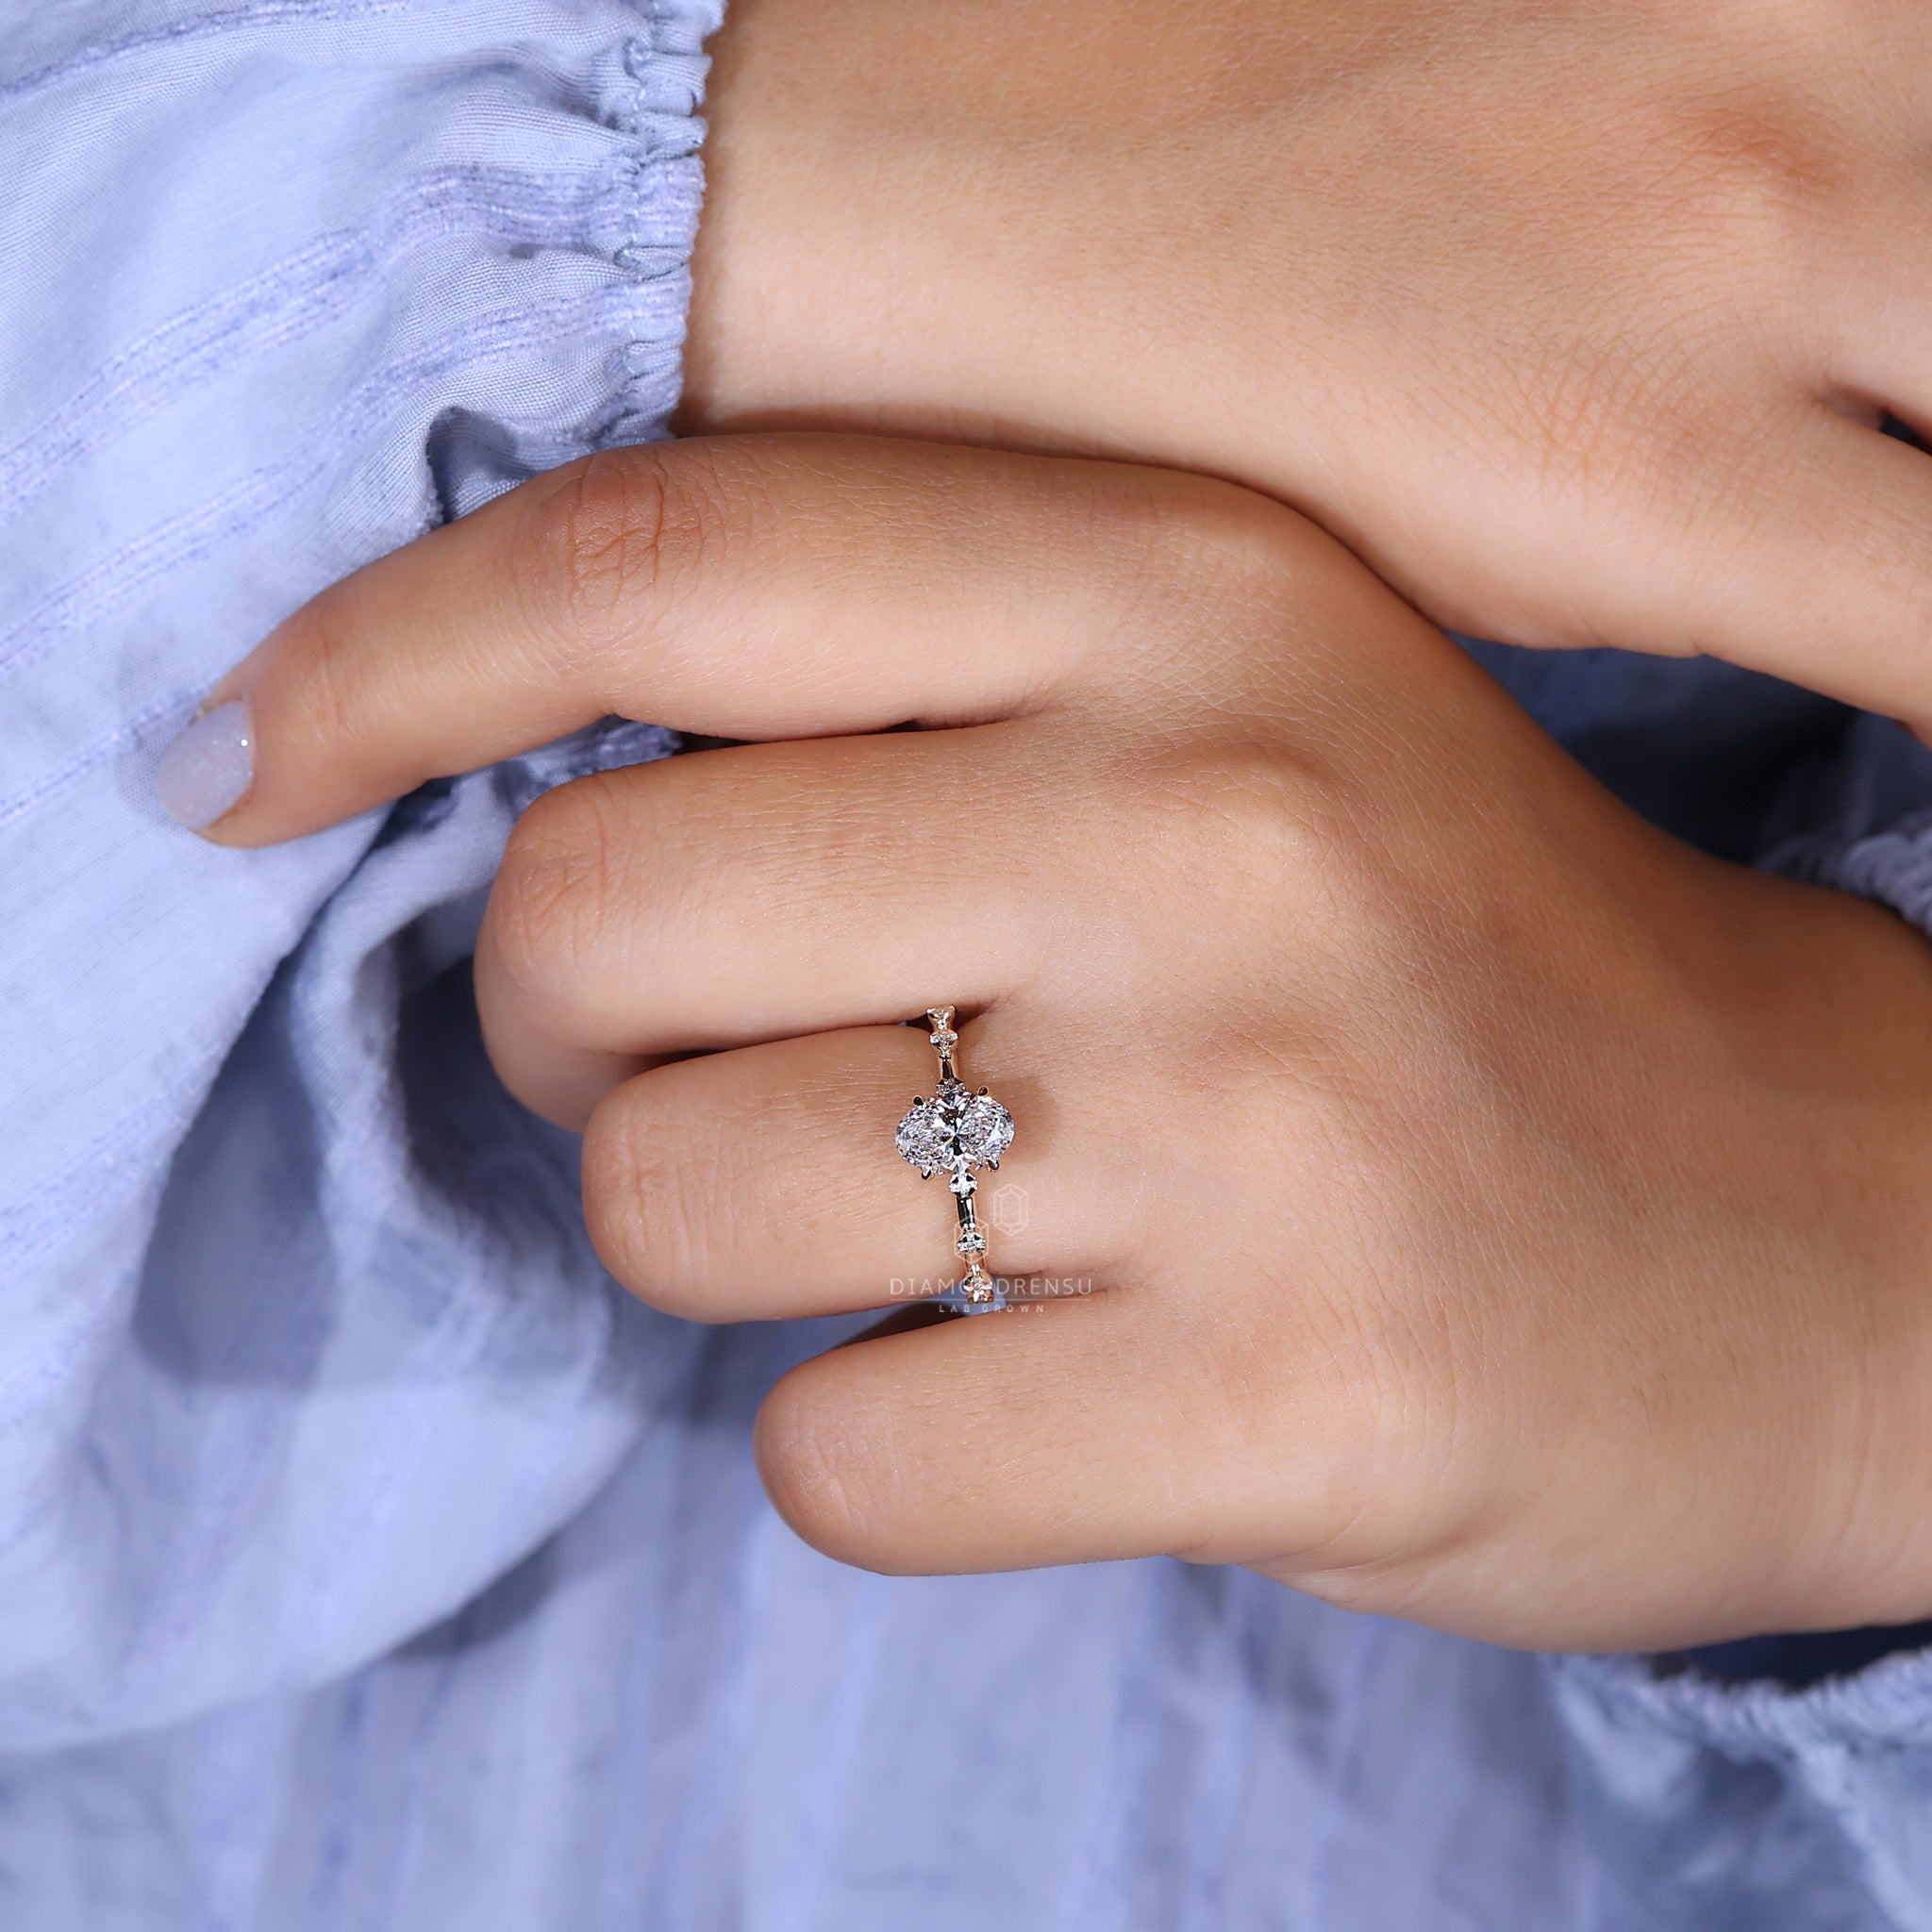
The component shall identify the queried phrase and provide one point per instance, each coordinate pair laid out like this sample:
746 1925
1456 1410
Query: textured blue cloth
366 1560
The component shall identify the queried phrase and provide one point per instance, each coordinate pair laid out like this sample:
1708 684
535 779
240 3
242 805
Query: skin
1497 1214
1575 321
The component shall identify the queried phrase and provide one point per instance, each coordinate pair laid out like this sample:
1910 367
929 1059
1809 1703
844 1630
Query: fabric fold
299 1358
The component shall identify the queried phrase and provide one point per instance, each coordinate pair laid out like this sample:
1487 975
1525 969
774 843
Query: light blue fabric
281 286
366 1560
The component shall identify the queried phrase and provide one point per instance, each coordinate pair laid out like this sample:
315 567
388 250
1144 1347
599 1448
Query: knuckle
593 543
551 909
1254 825
614 537
1298 887
616 1185
1241 543
820 1470
635 1205
338 707
1742 177
663 1202
1209 553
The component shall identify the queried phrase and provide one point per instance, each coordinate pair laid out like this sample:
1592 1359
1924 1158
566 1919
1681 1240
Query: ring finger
763 1183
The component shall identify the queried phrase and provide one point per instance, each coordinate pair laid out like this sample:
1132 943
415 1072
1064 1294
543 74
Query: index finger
743 587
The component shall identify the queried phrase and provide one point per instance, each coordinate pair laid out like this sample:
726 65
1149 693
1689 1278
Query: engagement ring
953 1132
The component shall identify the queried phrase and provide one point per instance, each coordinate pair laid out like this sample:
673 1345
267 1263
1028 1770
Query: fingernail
206 771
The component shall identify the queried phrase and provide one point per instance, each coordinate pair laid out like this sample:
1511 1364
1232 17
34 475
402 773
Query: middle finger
761 891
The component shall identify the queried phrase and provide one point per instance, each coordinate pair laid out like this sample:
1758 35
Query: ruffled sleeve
1781 1784
1861 822
1714 1801
1785 1783
305 1342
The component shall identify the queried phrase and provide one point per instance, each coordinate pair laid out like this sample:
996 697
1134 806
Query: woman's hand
1497 1214
1575 321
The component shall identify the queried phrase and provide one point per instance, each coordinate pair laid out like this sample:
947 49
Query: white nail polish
206 771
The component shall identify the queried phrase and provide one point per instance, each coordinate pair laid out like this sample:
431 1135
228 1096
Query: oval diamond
925 1137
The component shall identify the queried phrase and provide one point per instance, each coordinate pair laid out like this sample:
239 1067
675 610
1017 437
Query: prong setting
955 1130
